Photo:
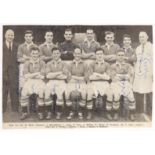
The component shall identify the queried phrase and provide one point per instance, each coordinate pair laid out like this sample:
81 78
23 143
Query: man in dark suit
10 71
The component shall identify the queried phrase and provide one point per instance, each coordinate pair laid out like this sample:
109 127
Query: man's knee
41 93
89 104
24 92
24 101
59 102
116 102
40 101
48 101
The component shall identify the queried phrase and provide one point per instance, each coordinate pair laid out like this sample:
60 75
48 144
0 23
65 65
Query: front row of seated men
77 85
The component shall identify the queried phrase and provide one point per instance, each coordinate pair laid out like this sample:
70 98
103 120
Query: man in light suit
143 81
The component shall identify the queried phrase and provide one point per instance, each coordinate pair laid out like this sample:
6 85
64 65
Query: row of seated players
80 83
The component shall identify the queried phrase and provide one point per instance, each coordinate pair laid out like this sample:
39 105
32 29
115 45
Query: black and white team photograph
77 74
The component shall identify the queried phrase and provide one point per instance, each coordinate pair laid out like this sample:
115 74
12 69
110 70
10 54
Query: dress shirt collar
48 44
87 41
8 43
97 62
34 61
56 62
120 64
109 45
29 44
80 61
126 48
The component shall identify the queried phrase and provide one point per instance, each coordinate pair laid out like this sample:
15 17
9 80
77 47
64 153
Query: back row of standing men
141 60
89 45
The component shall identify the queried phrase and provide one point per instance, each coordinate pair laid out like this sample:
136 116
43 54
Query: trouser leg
14 95
24 101
139 102
89 108
5 95
116 105
41 108
149 104
59 108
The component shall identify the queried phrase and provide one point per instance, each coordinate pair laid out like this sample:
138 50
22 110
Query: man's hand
77 78
31 75
53 75
110 57
94 77
39 76
106 76
26 57
123 76
61 77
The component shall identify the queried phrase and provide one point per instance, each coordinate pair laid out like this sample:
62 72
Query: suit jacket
10 64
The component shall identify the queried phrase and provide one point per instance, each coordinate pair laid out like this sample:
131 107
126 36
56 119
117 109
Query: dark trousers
10 87
140 103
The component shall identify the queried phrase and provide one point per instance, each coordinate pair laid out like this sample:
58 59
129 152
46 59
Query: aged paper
77 76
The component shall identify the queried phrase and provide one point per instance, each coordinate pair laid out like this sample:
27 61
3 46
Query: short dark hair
48 31
109 32
120 50
89 28
55 49
28 32
34 48
69 29
99 49
77 47
126 36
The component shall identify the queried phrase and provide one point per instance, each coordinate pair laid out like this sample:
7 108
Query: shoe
49 115
24 116
89 116
132 117
58 116
40 116
115 116
109 117
71 114
80 115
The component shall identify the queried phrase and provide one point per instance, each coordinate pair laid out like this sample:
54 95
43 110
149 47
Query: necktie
143 48
141 59
10 47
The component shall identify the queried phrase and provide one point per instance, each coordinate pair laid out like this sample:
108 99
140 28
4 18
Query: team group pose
73 80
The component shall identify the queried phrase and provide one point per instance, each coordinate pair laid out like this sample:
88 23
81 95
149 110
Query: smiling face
9 35
28 38
90 34
143 37
49 37
109 38
77 54
68 35
99 55
126 41
56 54
35 54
